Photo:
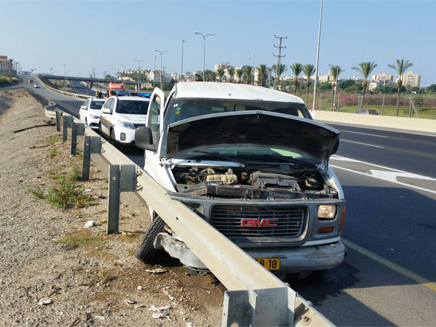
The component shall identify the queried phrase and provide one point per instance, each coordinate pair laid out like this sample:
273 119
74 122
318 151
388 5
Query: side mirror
106 111
144 139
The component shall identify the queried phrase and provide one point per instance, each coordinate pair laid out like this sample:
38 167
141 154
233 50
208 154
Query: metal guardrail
255 297
74 95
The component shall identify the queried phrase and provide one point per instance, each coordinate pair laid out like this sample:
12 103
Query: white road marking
365 134
375 146
339 158
388 180
392 175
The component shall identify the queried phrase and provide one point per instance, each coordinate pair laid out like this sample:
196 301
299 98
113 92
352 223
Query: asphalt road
389 275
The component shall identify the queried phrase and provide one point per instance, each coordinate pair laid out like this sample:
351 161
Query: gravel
55 272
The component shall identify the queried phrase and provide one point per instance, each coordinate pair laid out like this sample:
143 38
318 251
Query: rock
45 301
156 271
89 224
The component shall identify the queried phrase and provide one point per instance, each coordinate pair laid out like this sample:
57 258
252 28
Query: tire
86 122
147 252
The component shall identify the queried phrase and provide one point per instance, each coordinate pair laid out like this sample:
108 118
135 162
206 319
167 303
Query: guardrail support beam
58 121
122 178
91 144
76 129
67 122
260 308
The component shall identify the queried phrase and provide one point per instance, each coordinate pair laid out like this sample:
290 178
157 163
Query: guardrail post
122 178
67 122
76 129
263 307
91 144
58 121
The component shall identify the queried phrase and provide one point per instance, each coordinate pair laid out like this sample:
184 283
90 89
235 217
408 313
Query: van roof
231 91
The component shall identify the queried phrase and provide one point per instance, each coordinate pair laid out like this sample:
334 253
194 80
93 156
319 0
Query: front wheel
112 139
147 252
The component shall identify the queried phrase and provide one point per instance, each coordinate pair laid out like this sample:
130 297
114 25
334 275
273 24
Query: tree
239 73
365 68
308 70
231 72
297 68
262 74
220 74
279 70
400 68
198 76
209 75
247 74
336 71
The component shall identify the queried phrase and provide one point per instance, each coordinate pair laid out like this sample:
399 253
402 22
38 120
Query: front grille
138 125
228 220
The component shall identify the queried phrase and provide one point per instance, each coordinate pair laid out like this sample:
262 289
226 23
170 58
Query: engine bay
266 183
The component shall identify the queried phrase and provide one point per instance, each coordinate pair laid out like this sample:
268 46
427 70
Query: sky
105 35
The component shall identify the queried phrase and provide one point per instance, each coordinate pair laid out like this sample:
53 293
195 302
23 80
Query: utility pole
279 57
181 72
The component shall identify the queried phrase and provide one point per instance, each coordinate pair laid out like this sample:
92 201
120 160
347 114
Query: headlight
94 117
327 212
125 124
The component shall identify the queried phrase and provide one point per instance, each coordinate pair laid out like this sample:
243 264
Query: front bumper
125 136
292 259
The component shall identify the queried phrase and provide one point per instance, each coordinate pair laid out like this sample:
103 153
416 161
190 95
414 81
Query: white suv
120 116
90 112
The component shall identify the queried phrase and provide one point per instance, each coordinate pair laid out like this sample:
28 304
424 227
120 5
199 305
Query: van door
154 122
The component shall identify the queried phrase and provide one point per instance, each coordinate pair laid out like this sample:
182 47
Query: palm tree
365 68
247 73
239 73
231 72
279 70
262 74
400 68
220 74
308 70
210 75
336 71
297 68
198 76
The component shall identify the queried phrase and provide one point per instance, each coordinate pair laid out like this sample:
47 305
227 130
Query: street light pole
204 49
138 60
161 67
317 59
64 75
181 72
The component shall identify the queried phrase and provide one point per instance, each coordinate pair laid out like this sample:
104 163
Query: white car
252 163
120 116
36 85
90 112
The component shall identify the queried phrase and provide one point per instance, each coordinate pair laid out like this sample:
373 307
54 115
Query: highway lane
389 275
412 152
392 227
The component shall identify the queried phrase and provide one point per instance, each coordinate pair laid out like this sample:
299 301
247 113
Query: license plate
270 264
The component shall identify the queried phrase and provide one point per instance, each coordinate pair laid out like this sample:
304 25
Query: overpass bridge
86 79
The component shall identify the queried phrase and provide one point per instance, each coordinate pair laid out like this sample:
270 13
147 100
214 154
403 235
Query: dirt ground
55 272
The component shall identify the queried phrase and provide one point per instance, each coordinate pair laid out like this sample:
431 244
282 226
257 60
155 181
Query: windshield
186 108
247 153
96 105
132 107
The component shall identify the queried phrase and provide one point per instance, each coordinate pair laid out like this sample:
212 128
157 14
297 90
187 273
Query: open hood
317 140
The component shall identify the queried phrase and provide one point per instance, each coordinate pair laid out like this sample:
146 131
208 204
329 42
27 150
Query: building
6 64
410 79
382 77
